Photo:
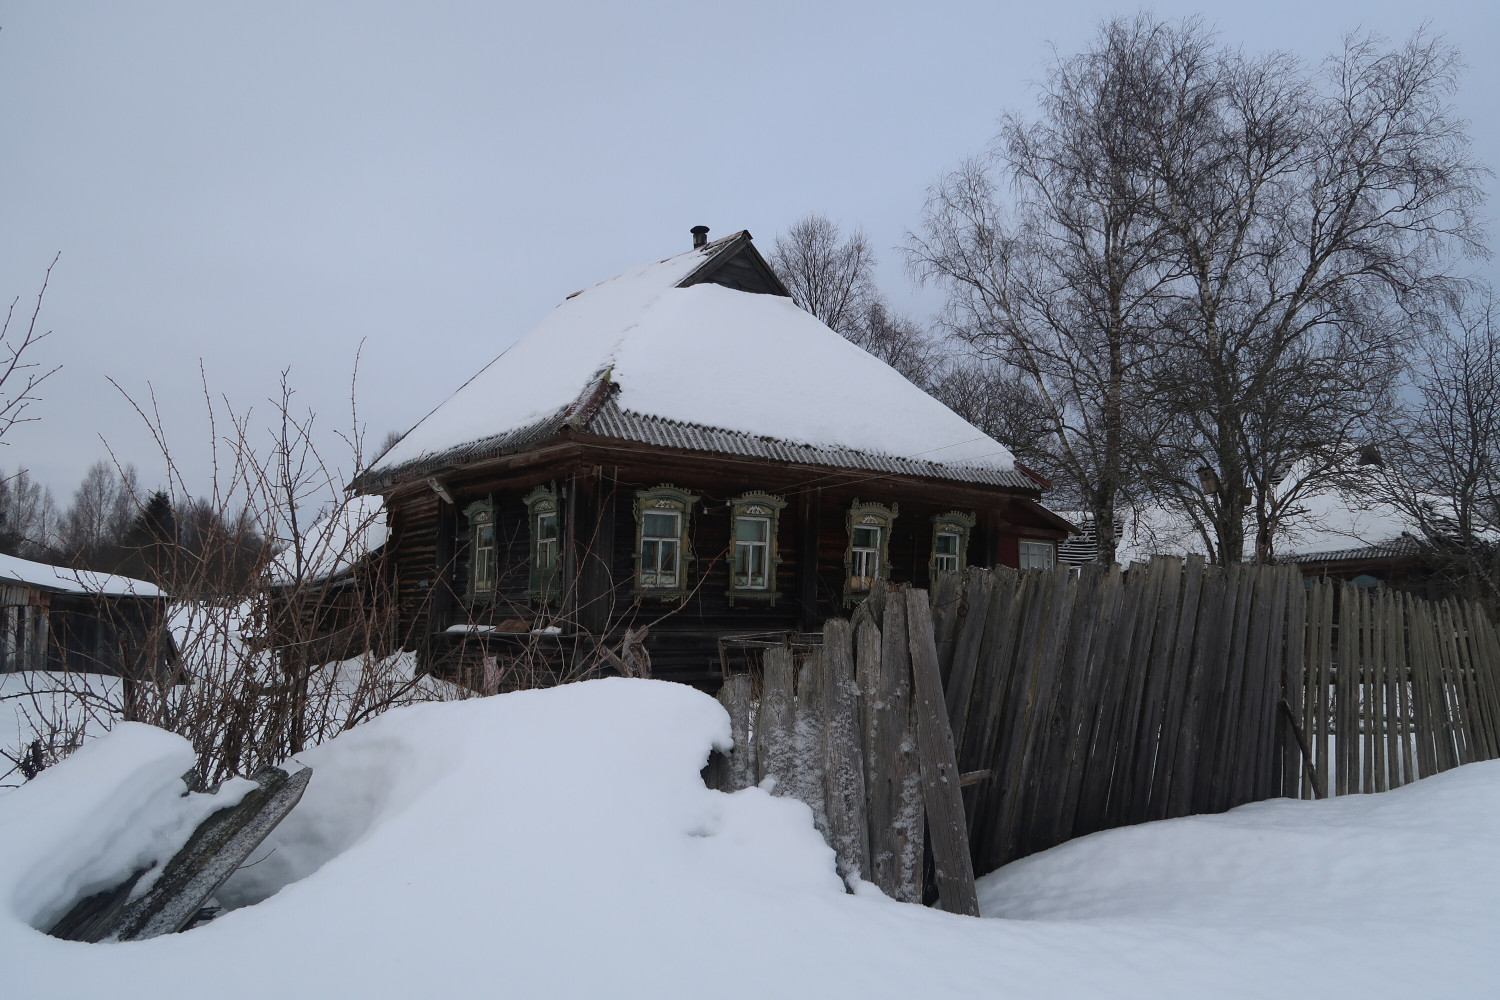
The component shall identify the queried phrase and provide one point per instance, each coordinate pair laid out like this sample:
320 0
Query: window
542 507
866 565
750 544
663 555
945 552
866 559
1037 555
950 543
753 561
661 549
483 557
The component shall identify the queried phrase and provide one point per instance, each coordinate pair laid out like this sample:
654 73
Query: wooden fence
857 728
1067 702
1101 698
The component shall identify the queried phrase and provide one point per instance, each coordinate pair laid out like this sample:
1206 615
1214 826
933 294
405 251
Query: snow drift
561 843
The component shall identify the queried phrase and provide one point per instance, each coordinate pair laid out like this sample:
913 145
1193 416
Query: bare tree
1442 463
828 273
104 507
898 340
1004 404
20 376
28 516
1315 219
1060 284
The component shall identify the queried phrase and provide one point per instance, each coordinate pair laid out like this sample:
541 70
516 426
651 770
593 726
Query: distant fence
1073 701
1101 698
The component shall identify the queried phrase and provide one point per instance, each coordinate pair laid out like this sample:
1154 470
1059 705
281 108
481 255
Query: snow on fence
1077 701
858 730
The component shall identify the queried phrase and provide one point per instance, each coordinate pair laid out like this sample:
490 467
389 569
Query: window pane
947 544
1036 555
750 565
667 575
659 563
546 526
751 529
659 526
484 554
866 538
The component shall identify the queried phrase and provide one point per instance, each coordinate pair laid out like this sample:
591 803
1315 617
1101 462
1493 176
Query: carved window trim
954 523
664 499
757 506
480 515
541 581
868 516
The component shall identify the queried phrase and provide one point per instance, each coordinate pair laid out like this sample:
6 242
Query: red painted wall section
1008 550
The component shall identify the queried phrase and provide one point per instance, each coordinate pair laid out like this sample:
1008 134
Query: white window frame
868 554
750 546
482 556
948 562
1030 548
651 570
546 548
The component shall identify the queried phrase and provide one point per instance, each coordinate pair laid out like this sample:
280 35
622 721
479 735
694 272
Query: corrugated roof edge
1404 545
610 422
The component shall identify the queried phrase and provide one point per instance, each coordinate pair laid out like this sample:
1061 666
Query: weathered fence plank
848 832
971 630
947 598
737 768
1177 689
776 722
808 783
894 794
952 864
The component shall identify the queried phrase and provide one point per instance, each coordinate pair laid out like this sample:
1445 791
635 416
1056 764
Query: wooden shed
682 448
55 618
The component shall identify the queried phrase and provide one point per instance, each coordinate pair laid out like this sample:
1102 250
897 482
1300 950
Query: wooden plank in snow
214 852
848 832
894 794
952 865
776 722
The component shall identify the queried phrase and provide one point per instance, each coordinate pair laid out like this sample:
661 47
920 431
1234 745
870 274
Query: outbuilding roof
60 579
676 354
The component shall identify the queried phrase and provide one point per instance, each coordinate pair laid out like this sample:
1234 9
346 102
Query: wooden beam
946 826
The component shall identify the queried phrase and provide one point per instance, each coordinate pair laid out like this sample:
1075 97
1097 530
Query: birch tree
1315 219
1060 283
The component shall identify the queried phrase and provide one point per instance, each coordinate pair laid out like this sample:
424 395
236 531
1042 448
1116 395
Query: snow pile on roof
72 581
337 540
560 843
1339 516
706 355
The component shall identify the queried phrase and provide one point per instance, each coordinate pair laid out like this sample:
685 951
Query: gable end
739 266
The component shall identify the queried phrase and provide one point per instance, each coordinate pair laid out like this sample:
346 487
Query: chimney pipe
700 237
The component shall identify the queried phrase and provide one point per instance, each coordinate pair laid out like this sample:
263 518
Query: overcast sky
264 185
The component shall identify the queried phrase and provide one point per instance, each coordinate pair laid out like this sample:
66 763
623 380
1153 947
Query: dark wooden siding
683 636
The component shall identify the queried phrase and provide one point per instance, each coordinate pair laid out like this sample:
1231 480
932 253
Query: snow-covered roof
14 569
656 349
336 541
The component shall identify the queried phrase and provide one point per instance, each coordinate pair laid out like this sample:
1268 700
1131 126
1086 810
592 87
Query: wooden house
54 618
327 594
682 448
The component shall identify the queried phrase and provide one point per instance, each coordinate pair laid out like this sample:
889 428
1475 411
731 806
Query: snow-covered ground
560 843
